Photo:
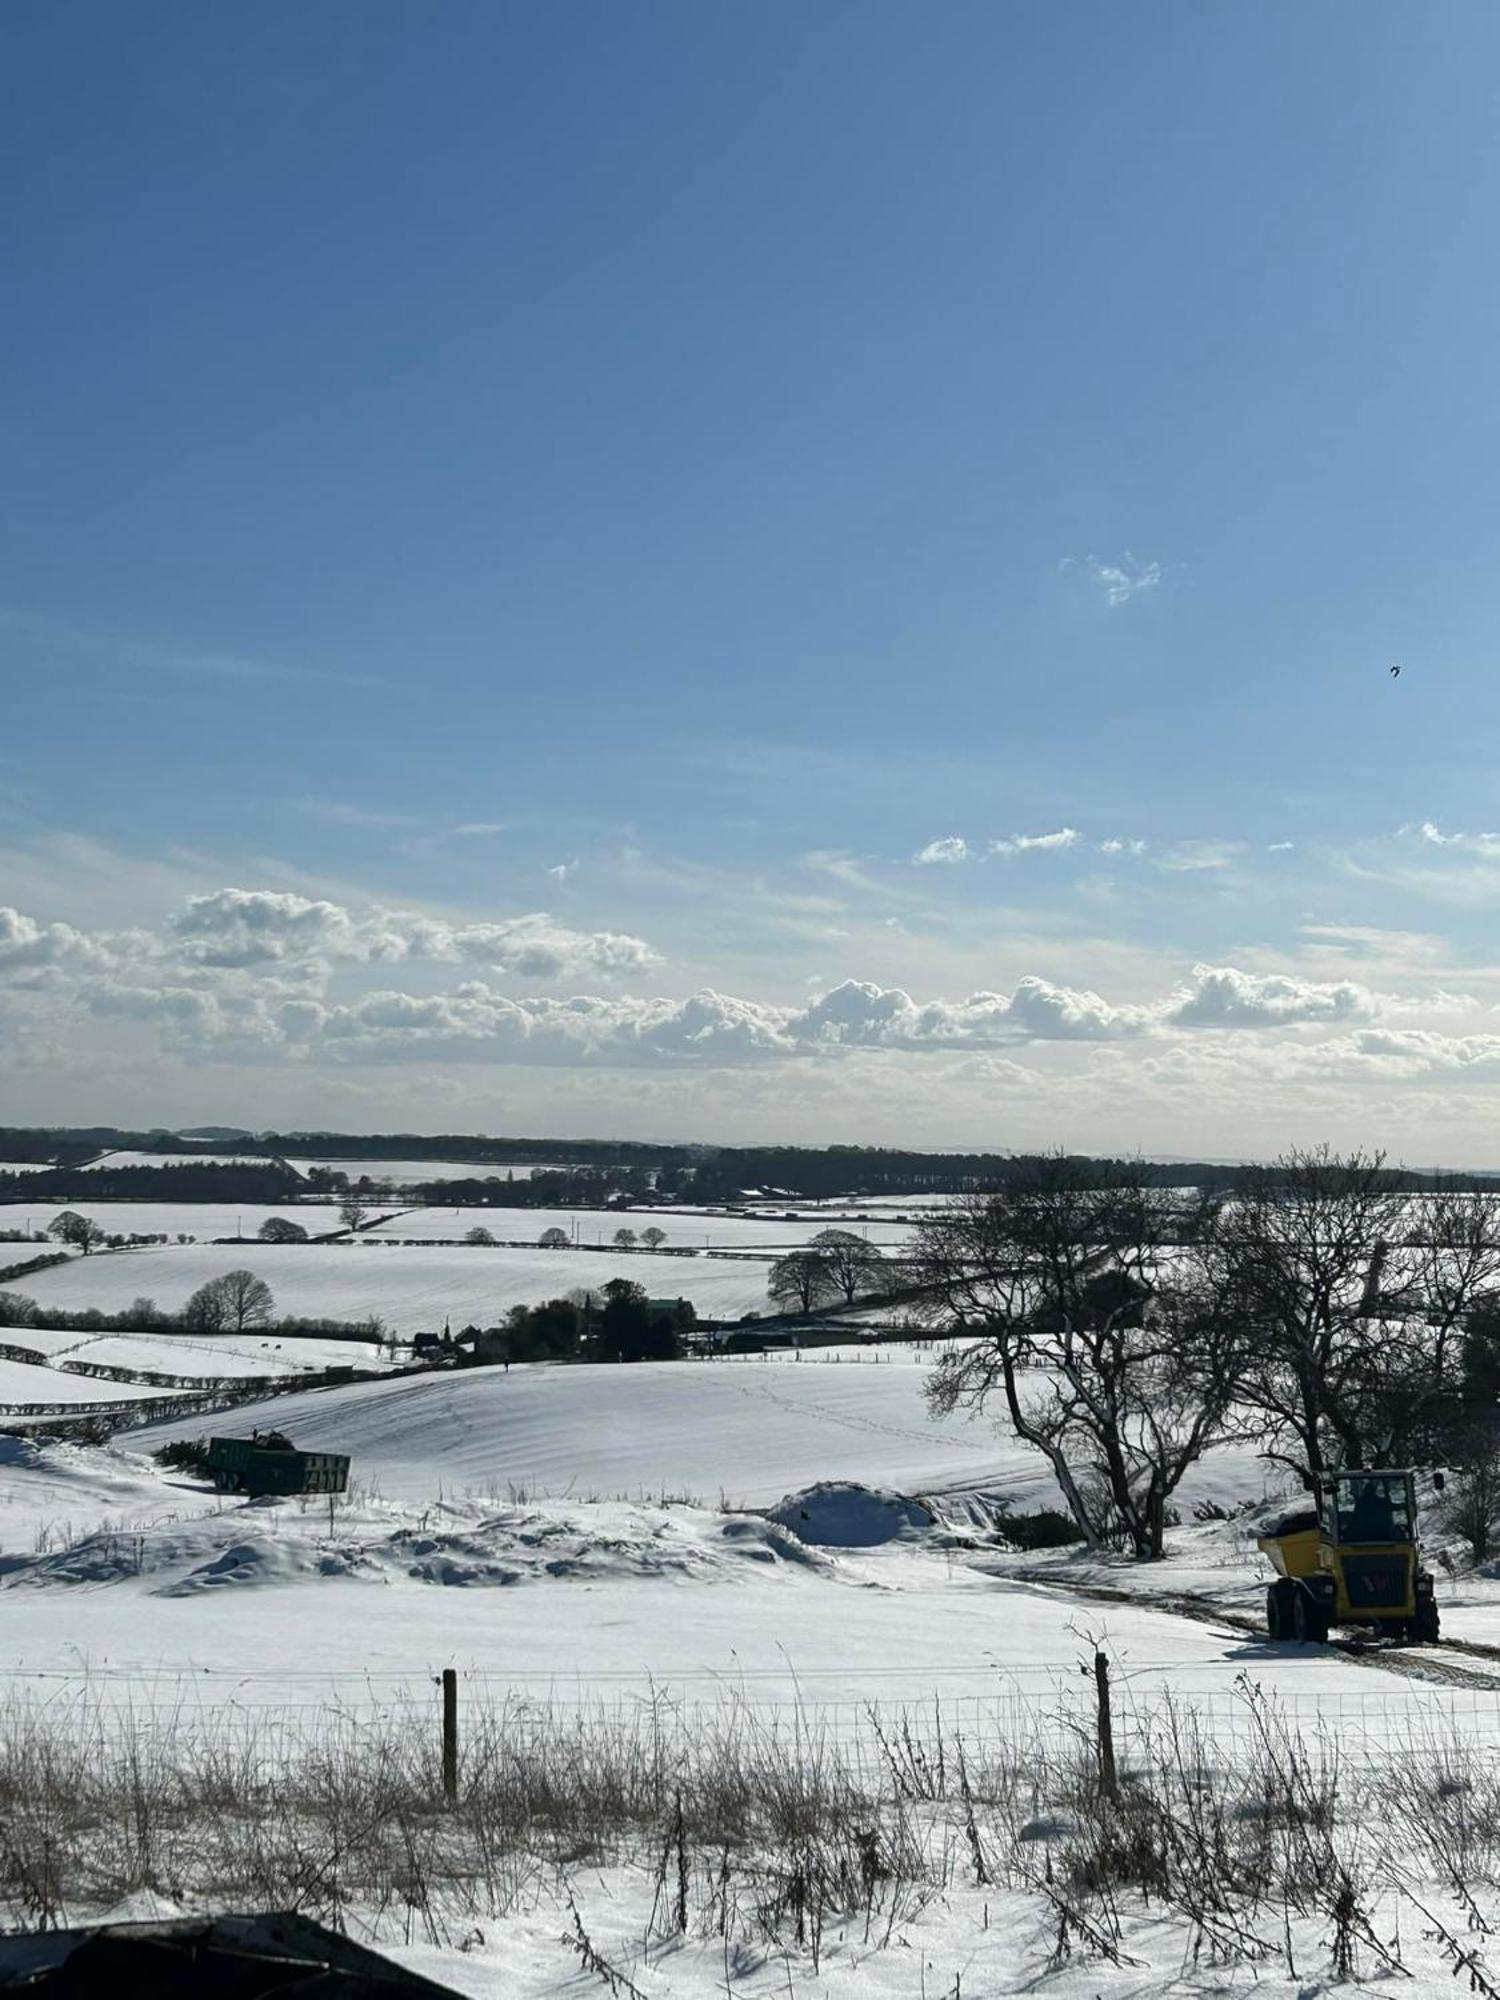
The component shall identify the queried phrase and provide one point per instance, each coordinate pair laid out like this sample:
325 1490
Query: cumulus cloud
272 975
952 849
1220 996
244 927
1420 1051
27 946
256 927
707 1027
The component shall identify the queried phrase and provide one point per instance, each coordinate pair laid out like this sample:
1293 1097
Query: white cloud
1190 856
563 871
244 927
1114 845
707 1028
1220 996
253 927
953 848
1028 843
1470 843
344 812
1065 1014
270 985
1420 1051
24 943
1119 581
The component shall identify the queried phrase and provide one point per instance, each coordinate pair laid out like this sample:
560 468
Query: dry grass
760 1832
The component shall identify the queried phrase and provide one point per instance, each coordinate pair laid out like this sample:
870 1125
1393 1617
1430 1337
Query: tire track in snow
1433 1664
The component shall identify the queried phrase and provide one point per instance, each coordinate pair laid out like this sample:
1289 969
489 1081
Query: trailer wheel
1309 1620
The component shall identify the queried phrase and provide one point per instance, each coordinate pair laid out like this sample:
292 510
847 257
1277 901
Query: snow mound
838 1514
608 1540
268 1542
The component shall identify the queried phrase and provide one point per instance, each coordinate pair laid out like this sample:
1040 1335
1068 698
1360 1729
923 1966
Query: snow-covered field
563 1481
127 1158
23 1383
526 1527
408 1289
683 1229
223 1357
410 1172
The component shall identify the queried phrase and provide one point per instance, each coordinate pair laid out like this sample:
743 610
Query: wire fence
1041 1712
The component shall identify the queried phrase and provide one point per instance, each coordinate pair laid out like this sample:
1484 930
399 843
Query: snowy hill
750 1430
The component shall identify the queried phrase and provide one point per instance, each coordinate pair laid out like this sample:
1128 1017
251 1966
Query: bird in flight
1395 673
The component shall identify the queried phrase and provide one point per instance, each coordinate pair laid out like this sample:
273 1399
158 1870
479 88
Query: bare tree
854 1264
1331 1300
653 1238
231 1304
1452 1262
16 1309
1098 1327
1472 1503
481 1238
280 1229
553 1239
80 1232
1467 1435
801 1281
353 1213
625 1239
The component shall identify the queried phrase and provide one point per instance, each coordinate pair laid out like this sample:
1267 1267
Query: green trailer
268 1462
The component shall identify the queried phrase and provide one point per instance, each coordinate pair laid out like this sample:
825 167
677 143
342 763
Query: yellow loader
1351 1558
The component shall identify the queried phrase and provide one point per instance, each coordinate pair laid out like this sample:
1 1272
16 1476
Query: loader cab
1361 1508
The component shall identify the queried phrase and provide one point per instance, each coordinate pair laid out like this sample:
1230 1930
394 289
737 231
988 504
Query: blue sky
651 473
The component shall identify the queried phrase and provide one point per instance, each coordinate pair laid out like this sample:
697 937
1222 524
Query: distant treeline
255 1181
68 1144
555 1188
573 1169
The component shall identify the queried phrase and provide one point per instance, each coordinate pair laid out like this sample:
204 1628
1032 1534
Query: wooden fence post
1109 1782
450 1735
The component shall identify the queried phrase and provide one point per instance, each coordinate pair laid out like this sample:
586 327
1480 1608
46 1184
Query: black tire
1309 1620
1279 1608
